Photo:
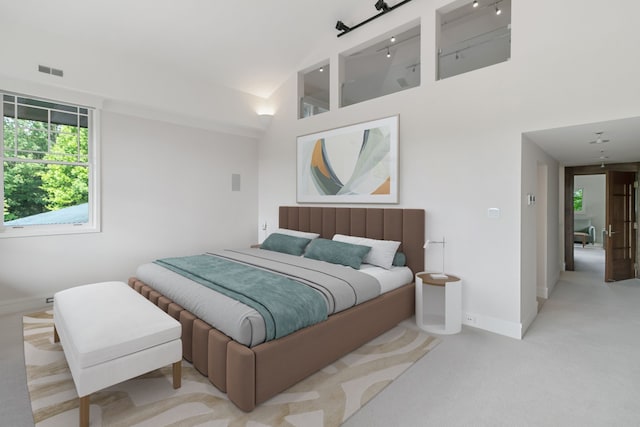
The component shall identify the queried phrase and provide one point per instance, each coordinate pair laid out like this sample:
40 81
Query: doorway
620 230
589 210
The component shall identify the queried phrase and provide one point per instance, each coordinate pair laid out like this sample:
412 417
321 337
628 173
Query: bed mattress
237 320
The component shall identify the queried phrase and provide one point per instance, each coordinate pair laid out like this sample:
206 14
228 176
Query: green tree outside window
33 188
577 200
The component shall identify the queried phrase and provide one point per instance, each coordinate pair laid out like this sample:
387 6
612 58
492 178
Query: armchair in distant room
582 227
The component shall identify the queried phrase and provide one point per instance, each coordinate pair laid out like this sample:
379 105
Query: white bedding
235 319
389 279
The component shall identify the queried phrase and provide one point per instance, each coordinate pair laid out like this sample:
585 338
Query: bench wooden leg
84 411
56 338
177 374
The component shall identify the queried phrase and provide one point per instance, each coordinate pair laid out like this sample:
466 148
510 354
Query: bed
251 375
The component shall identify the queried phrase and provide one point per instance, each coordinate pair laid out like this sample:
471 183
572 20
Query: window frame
470 38
93 224
308 102
385 56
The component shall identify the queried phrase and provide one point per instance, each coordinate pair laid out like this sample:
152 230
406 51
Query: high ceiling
249 45
252 46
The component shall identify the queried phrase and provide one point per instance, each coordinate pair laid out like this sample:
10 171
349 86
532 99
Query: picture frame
351 164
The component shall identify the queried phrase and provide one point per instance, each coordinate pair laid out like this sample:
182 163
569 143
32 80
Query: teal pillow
337 252
291 245
399 259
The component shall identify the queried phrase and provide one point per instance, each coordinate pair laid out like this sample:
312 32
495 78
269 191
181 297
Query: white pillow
296 233
381 253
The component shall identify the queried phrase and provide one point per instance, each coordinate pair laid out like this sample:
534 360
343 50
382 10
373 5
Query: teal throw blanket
285 305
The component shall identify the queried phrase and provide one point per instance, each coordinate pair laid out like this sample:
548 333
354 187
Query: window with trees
49 167
577 200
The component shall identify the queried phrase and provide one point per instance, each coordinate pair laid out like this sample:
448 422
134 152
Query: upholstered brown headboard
403 225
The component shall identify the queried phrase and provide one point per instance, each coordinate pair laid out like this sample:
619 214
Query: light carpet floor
326 398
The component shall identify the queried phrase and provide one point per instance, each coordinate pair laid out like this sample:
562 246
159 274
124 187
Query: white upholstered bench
109 334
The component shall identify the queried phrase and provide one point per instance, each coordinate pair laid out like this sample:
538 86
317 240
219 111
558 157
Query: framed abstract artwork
351 164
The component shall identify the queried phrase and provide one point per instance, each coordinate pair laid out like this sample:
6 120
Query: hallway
589 259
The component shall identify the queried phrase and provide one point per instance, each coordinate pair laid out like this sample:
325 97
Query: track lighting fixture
388 53
392 39
321 69
340 26
412 67
475 3
498 11
382 5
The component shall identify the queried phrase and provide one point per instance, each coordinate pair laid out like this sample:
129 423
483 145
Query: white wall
461 146
540 258
166 191
555 230
593 201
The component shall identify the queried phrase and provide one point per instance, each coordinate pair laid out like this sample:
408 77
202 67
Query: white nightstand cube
438 303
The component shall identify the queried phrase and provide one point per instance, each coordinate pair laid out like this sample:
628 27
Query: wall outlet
49 300
469 319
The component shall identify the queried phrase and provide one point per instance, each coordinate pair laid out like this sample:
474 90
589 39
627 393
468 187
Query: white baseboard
545 291
497 326
542 292
552 284
22 305
528 321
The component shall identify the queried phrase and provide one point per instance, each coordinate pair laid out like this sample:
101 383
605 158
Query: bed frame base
253 375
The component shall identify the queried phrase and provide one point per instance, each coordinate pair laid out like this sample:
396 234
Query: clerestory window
50 168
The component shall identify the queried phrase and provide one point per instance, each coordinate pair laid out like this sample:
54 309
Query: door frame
569 173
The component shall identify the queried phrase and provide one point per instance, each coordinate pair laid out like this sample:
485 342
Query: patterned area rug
326 398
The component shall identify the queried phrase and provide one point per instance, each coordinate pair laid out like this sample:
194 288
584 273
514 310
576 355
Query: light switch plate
493 213
235 182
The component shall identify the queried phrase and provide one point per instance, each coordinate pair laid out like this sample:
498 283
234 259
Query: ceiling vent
49 70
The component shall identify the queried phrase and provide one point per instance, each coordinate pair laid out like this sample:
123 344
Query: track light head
498 11
475 3
382 5
340 26
379 5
